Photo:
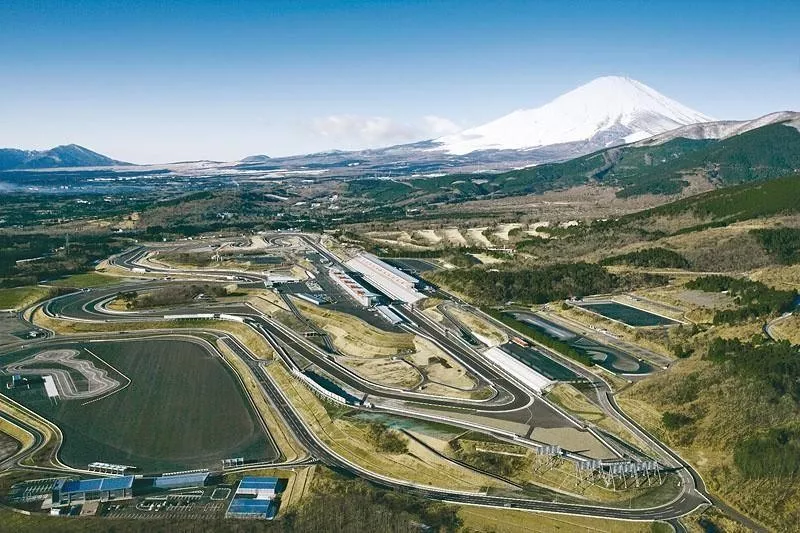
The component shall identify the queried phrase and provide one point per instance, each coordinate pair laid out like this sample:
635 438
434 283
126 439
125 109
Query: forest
27 259
781 243
532 285
649 258
754 299
776 364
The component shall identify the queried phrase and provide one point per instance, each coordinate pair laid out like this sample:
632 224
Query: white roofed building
392 281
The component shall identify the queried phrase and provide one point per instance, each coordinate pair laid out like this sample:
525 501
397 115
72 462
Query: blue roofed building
252 508
68 492
258 487
254 498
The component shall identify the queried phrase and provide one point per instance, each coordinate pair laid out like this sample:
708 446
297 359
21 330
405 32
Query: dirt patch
453 236
393 372
439 366
504 229
574 440
477 236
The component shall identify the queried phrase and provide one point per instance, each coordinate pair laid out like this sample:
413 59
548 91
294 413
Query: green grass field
20 297
89 279
183 409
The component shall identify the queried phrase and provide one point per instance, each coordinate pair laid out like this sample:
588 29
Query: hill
70 155
762 153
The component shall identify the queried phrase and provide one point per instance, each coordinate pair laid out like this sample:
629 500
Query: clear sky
166 81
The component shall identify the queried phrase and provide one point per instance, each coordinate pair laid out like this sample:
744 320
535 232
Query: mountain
70 155
722 129
606 111
764 152
255 159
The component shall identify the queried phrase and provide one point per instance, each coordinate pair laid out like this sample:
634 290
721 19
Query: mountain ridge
62 156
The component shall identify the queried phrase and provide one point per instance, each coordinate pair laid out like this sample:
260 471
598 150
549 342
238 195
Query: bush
673 421
775 454
387 440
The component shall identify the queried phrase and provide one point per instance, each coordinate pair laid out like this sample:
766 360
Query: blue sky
165 81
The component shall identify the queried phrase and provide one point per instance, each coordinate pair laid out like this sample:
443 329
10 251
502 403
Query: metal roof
99 484
251 506
265 483
193 479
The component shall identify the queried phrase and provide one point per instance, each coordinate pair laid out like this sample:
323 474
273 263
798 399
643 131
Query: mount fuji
604 112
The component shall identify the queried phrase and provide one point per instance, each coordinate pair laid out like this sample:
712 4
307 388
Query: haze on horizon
157 82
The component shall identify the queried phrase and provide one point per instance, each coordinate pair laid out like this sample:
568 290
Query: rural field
161 421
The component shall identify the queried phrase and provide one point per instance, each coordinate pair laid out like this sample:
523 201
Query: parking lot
188 504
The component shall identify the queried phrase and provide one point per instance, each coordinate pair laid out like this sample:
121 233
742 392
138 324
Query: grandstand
107 468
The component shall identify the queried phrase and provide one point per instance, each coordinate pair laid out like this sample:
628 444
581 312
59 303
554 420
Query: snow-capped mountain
724 128
604 112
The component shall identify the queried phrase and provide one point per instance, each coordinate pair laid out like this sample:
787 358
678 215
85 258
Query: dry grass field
510 521
354 337
723 410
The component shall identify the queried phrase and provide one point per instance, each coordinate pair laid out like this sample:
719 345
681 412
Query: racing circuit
98 382
511 407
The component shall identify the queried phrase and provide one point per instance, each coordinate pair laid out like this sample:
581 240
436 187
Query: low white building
353 288
524 374
392 281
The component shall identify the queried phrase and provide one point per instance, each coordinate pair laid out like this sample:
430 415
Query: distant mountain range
612 116
723 153
607 111
70 155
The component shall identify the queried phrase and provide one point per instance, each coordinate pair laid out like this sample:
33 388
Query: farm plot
182 409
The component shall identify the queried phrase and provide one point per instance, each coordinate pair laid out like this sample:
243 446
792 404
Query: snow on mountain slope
722 129
604 112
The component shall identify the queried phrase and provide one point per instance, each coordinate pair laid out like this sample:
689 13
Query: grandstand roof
99 484
386 266
190 479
